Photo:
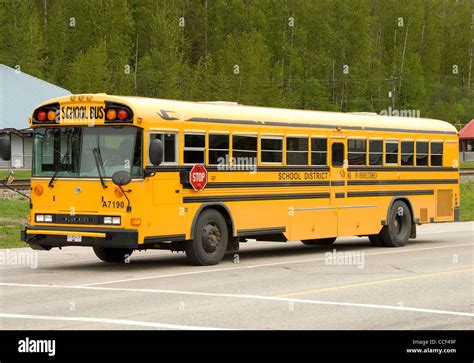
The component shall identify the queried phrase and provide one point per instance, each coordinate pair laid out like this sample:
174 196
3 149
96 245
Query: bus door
338 176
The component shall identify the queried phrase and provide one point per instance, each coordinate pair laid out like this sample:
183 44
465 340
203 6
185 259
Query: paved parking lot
351 285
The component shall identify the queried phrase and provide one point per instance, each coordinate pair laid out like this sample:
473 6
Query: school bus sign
198 177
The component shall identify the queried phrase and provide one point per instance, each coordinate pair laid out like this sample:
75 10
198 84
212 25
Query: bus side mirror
5 147
155 152
121 178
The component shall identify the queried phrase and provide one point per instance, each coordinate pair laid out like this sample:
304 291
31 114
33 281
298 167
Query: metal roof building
20 93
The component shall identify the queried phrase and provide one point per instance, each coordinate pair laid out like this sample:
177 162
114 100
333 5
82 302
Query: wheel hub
211 238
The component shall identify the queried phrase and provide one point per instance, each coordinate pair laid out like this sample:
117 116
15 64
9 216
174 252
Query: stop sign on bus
198 177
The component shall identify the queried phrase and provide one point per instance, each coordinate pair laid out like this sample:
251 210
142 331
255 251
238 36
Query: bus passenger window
218 149
391 152
337 154
408 151
271 149
194 148
375 152
356 151
169 146
244 149
319 150
436 153
296 151
422 153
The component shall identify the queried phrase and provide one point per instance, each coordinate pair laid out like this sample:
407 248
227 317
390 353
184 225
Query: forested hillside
344 55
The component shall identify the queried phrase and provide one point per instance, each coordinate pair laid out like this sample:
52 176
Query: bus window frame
184 149
308 155
176 146
366 149
310 149
442 152
385 152
271 137
208 147
427 155
414 152
369 139
243 133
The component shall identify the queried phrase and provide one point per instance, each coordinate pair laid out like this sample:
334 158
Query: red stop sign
198 177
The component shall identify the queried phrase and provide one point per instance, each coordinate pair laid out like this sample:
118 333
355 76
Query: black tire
113 254
319 242
397 233
210 239
376 240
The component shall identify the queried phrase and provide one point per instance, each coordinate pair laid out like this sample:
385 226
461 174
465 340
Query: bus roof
151 111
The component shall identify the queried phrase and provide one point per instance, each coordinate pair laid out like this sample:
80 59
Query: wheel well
406 201
222 209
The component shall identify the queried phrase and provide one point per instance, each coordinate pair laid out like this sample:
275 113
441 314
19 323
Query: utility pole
136 66
470 56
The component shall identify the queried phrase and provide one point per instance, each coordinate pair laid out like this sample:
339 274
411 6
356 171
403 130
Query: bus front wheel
397 232
210 239
319 241
113 254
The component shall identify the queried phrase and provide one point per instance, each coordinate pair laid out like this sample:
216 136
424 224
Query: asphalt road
351 285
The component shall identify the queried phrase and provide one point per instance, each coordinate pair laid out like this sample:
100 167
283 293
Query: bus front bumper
47 237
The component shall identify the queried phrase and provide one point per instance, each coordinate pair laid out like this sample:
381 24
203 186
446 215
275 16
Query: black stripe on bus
340 195
259 231
402 182
279 184
241 198
401 168
266 184
314 126
390 193
165 238
215 168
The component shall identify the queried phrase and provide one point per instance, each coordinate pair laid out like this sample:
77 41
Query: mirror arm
149 171
129 207
16 191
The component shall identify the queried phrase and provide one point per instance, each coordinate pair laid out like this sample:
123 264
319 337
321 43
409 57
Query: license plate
74 238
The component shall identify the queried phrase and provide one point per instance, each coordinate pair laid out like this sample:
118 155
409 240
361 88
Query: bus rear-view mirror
121 178
5 147
155 152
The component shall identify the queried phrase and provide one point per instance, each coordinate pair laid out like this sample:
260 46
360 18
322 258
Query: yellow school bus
128 173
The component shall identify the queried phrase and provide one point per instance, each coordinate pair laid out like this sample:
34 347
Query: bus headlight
112 220
44 218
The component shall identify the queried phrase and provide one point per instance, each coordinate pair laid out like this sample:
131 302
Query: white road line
252 297
144 324
195 272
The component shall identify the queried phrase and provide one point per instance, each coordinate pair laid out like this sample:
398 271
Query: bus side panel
259 214
307 223
362 217
164 216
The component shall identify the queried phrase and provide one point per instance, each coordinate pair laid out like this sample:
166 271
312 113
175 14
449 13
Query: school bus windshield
69 151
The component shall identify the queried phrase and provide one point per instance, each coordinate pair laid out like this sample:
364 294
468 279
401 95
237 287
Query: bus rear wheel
397 232
210 239
113 254
319 241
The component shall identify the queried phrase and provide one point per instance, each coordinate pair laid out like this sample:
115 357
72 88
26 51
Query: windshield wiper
58 168
98 163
